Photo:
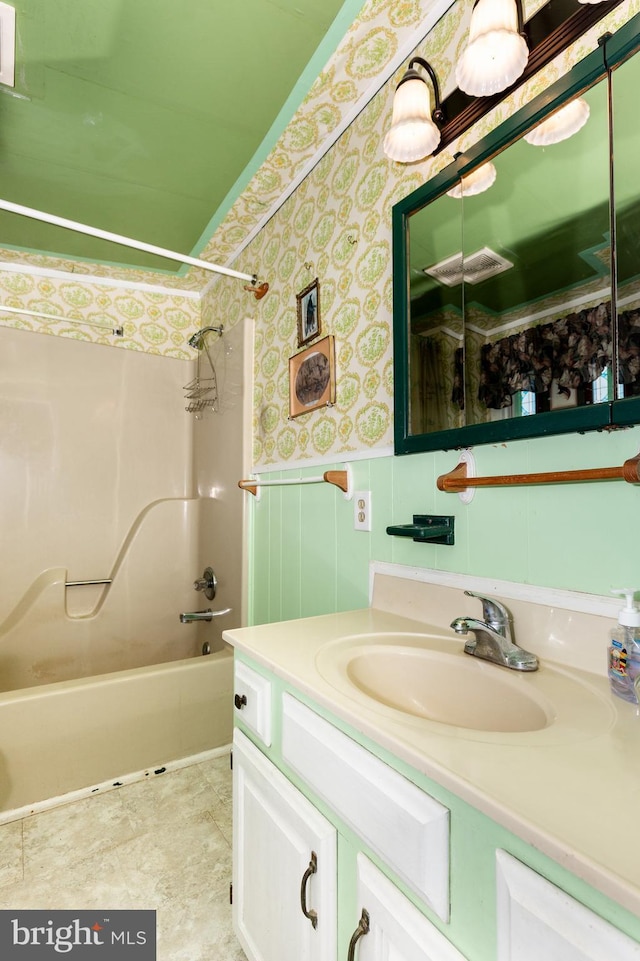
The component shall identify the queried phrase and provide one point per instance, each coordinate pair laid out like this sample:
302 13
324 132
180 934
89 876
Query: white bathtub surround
162 845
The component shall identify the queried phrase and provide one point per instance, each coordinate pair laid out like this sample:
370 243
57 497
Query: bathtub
102 683
71 737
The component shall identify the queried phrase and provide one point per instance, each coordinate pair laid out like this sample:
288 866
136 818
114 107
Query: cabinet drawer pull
240 701
313 867
363 928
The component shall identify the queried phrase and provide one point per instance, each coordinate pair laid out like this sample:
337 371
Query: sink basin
429 677
448 688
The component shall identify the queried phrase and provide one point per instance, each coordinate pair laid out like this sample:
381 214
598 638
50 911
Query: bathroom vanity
396 798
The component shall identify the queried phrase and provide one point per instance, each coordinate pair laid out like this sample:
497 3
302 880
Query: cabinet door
406 829
284 863
391 928
537 920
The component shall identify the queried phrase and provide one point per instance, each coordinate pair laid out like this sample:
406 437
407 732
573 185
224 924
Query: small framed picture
562 397
312 378
308 313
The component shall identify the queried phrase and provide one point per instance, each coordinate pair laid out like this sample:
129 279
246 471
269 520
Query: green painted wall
307 558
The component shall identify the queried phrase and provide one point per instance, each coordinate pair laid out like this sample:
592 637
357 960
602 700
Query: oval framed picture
312 378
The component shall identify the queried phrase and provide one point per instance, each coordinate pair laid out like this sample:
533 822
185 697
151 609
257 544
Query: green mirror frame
604 416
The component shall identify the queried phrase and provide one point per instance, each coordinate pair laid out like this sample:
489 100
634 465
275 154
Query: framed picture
312 378
562 397
308 313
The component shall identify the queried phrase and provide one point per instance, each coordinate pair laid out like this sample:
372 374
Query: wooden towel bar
339 478
456 480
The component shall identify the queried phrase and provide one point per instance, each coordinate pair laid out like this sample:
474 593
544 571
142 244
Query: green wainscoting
306 558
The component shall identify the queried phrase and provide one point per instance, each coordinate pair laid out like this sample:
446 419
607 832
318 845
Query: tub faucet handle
207 583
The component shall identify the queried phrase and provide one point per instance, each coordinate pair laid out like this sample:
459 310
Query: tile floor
162 844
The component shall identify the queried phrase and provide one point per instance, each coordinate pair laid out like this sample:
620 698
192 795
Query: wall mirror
517 309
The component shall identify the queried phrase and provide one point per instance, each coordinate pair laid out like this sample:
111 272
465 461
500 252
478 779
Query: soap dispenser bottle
624 650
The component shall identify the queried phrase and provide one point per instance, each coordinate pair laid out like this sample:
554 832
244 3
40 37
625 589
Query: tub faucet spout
208 615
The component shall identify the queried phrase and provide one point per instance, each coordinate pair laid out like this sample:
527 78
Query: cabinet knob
363 928
240 701
313 867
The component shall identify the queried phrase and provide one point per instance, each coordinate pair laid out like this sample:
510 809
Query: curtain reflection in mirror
437 395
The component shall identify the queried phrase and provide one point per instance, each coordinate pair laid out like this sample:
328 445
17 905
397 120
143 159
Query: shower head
196 340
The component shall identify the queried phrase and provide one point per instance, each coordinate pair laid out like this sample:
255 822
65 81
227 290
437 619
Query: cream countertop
557 788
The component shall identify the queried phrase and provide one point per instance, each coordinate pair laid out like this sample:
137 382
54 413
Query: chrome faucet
207 615
493 637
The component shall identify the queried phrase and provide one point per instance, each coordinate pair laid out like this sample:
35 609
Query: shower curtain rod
116 331
119 239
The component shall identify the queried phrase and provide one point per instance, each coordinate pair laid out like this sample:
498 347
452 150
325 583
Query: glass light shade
413 134
496 54
560 125
476 182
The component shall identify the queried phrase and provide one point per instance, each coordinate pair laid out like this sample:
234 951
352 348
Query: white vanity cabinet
252 696
284 865
390 927
406 828
286 885
536 919
324 827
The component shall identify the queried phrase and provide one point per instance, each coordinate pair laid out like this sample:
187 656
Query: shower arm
197 340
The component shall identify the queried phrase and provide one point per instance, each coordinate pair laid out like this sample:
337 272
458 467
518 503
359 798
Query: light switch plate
362 510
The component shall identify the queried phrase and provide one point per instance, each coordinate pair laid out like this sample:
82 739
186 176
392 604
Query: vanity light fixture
497 53
415 129
561 125
476 182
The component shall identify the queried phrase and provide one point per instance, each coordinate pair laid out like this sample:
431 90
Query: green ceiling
146 118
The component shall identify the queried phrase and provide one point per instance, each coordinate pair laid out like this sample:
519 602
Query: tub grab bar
99 580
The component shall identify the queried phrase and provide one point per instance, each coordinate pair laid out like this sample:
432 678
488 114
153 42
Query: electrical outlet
362 510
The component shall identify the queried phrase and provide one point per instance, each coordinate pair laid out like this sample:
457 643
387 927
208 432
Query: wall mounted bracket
436 528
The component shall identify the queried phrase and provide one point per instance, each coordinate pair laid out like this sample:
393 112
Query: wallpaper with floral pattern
336 226
152 321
